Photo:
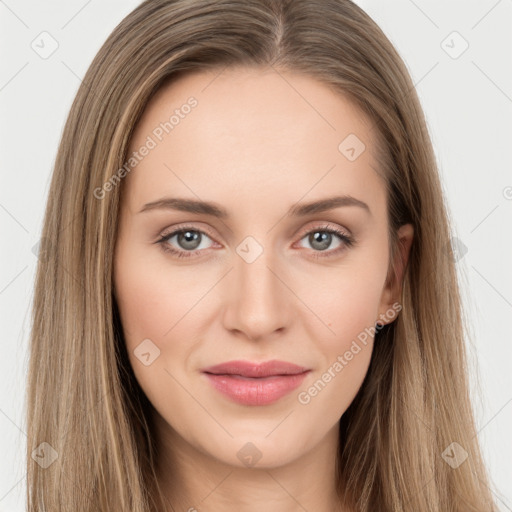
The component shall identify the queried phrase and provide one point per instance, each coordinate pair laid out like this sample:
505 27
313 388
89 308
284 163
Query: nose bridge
258 302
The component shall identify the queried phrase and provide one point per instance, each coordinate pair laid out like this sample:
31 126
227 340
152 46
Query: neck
193 481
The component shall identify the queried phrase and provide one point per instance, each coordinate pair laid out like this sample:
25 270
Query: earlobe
393 287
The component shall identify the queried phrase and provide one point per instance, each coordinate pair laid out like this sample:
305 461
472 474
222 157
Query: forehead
249 132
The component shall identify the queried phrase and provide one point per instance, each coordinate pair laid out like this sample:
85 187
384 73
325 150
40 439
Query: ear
393 287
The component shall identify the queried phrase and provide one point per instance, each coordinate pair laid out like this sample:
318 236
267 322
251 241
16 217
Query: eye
189 242
320 239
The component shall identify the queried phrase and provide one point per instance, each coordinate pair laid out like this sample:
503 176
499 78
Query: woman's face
272 269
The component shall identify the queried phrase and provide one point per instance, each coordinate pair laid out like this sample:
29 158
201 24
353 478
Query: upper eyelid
173 231
327 227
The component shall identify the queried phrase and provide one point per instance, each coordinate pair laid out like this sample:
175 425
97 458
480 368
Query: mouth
250 383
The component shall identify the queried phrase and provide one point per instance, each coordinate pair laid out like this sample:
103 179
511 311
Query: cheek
348 307
141 306
158 304
151 298
149 307
347 302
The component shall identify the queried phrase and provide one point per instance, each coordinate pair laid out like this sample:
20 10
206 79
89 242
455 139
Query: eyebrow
215 210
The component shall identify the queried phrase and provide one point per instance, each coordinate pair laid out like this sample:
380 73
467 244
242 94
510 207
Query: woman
247 298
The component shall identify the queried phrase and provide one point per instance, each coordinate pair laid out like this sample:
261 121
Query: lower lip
252 391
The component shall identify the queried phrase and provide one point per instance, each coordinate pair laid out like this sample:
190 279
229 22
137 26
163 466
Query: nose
258 300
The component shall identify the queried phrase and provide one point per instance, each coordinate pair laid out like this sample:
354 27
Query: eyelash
348 241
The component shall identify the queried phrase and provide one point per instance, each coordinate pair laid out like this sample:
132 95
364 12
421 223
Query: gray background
467 99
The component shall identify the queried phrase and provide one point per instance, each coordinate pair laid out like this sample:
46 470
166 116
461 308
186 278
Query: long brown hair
83 400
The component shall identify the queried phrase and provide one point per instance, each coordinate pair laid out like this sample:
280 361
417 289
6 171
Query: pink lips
255 384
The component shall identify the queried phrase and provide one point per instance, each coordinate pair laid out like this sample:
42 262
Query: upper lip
255 369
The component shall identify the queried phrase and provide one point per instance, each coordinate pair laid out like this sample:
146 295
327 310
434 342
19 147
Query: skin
257 143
